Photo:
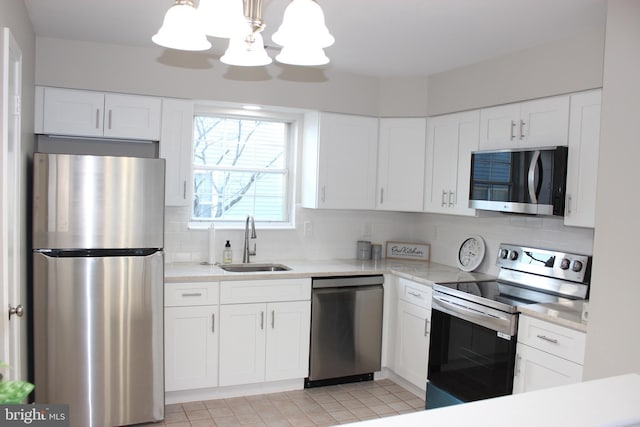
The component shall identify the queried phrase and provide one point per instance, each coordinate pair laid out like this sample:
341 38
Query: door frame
12 290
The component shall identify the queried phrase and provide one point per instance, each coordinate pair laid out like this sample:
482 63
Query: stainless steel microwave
529 181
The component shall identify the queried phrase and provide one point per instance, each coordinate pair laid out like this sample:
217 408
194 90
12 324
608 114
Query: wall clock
470 253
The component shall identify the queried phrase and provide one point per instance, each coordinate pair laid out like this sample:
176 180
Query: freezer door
97 202
98 337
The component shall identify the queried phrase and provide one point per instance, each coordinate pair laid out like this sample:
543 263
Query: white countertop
611 401
423 272
567 314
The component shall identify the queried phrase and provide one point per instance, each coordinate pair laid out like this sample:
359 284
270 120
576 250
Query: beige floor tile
321 406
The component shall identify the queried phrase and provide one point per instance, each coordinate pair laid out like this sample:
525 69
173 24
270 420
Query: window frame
293 121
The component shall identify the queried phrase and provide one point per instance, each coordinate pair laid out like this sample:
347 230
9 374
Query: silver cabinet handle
569 201
324 193
522 129
513 128
184 190
546 338
110 114
382 196
426 327
415 294
192 294
451 198
273 319
262 320
97 118
518 363
213 323
442 202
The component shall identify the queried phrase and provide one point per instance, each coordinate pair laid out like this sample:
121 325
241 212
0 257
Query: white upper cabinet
339 161
95 114
539 123
450 140
582 162
176 148
401 164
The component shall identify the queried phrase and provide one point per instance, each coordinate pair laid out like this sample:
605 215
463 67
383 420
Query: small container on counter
364 249
227 254
376 251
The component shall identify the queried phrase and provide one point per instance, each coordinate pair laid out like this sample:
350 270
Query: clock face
471 253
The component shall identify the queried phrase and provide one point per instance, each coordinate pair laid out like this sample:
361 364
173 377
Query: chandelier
302 35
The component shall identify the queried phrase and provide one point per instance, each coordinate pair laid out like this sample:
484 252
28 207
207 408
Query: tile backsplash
327 234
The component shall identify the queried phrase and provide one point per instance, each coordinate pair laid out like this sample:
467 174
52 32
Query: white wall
198 75
13 14
569 65
613 340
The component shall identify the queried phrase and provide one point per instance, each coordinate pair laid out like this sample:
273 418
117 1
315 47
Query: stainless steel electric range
474 324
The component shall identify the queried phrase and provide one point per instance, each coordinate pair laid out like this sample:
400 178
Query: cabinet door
499 127
242 343
536 370
450 141
287 347
544 122
401 164
132 117
412 343
339 161
72 112
191 347
176 141
582 162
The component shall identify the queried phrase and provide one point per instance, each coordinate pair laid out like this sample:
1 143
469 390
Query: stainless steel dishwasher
346 329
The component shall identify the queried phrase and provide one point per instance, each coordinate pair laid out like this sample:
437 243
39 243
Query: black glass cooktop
500 295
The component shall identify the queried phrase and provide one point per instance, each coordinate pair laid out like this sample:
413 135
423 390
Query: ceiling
392 38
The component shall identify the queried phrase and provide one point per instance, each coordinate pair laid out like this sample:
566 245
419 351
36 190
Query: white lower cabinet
547 355
191 328
412 332
264 341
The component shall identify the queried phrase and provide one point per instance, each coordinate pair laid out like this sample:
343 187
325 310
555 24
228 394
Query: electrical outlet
308 229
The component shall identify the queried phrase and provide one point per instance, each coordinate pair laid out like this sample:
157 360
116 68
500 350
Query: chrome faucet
246 252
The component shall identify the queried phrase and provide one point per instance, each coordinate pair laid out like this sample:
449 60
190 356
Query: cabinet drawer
195 293
554 339
270 290
415 293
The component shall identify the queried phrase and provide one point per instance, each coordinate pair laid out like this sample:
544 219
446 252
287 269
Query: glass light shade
300 55
245 54
182 29
222 18
303 23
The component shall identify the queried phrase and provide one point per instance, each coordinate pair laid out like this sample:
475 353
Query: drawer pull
551 340
262 320
426 327
213 323
192 294
273 319
415 294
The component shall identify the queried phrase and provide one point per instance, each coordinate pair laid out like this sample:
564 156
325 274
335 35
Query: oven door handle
505 324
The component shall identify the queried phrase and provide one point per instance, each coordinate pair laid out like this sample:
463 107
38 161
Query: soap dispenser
227 254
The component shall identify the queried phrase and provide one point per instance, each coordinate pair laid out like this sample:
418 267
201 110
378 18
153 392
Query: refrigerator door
98 337
97 202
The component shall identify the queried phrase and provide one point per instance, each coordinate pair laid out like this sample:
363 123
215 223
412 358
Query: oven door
471 352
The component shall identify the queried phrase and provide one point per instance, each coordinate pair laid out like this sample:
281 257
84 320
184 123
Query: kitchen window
241 166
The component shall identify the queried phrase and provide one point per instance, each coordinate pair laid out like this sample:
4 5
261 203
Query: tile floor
322 406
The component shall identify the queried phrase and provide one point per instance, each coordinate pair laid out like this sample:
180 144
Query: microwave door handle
531 177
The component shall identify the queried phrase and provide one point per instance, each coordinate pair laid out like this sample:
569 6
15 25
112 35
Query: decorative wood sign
403 250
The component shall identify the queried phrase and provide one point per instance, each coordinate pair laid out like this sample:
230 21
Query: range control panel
560 265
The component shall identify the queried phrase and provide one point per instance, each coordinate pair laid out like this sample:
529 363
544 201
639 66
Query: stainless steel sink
247 268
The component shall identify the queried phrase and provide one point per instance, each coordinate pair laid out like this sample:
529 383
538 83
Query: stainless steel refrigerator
98 267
